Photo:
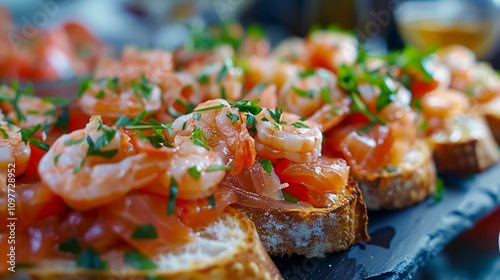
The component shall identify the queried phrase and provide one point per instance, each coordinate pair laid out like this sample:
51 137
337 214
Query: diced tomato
34 203
77 120
127 213
199 212
36 156
419 87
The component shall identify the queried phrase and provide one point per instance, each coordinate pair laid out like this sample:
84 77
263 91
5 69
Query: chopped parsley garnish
359 106
300 125
71 245
172 197
325 95
365 129
203 79
27 136
303 93
213 168
223 93
72 142
194 172
228 64
220 106
4 133
258 88
276 115
232 117
307 73
100 94
95 149
90 259
14 100
78 166
424 125
147 231
251 122
248 106
113 83
138 260
84 86
211 201
266 164
56 158
55 100
63 120
392 169
438 196
156 139
123 121
199 138
290 198
197 116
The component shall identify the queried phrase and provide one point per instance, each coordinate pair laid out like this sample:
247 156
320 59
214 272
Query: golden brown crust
413 182
494 124
312 231
248 260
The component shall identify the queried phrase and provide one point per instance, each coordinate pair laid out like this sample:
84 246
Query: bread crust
494 124
248 260
467 157
312 231
414 181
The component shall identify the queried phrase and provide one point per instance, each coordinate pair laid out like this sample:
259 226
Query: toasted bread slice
228 248
411 183
494 124
312 231
471 154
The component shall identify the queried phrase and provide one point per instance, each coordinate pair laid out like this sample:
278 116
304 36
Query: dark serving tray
404 240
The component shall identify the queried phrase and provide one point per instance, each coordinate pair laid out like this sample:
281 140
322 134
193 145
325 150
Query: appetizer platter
205 161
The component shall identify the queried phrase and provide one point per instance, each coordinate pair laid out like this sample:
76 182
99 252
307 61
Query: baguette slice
226 249
312 231
411 183
471 154
491 111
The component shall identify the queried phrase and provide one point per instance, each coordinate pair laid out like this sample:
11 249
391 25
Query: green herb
303 93
211 201
63 120
325 95
90 259
307 73
27 136
220 106
300 125
199 138
248 106
184 125
79 166
424 125
303 119
55 100
276 115
290 198
266 164
28 90
14 100
203 79
228 64
189 106
438 196
32 112
194 172
257 89
365 129
71 245
359 106
138 260
213 168
392 169
56 158
145 232
4 133
232 117
123 121
113 83
255 31
100 94
95 149
336 110
84 86
223 92
251 122
72 142
197 116
172 197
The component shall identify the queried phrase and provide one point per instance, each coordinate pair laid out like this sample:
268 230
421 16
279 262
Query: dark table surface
404 240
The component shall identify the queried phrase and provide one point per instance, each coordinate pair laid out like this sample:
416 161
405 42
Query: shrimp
295 50
189 155
219 80
332 49
268 97
458 58
124 99
33 110
290 138
12 150
306 92
93 166
268 70
224 132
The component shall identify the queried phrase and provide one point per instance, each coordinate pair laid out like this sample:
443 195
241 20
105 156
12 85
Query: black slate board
403 240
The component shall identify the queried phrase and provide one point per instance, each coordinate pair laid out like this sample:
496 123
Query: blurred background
381 25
